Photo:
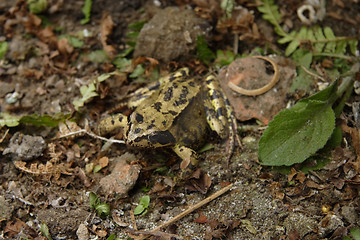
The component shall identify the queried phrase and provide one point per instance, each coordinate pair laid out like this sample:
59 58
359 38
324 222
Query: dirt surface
48 180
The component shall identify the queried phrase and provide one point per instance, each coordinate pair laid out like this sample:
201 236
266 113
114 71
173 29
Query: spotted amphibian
176 112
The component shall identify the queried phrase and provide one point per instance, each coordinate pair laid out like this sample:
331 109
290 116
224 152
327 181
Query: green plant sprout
297 133
143 205
323 41
102 209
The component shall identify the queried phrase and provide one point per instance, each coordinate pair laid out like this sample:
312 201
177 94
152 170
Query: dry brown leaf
106 27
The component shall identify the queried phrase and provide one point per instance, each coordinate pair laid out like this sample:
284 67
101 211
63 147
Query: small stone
349 213
25 147
329 224
6 88
123 176
82 232
5 208
171 34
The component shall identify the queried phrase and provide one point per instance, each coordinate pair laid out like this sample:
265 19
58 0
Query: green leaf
138 71
145 201
355 233
353 46
37 6
98 56
3 49
45 231
139 209
227 6
122 63
103 210
9 120
297 133
86 10
94 200
87 92
137 26
97 168
292 47
203 51
74 41
319 35
331 45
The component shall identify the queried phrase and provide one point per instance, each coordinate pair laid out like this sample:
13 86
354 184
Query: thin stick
191 209
92 135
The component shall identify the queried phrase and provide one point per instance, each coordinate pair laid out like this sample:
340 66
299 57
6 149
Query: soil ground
45 180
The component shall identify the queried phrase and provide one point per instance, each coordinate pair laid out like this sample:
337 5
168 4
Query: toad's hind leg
111 123
220 114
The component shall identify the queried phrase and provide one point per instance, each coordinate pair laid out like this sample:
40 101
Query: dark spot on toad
139 118
163 123
150 126
137 130
220 112
179 102
112 121
163 138
157 106
215 95
173 113
168 94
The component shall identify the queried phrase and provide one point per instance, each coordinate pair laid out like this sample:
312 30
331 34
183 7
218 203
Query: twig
191 209
4 136
312 74
92 135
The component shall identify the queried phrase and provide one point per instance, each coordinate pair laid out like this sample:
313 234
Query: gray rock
25 147
171 34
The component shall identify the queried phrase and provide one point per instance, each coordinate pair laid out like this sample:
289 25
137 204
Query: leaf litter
260 194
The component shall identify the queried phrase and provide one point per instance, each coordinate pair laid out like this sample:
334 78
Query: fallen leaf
106 27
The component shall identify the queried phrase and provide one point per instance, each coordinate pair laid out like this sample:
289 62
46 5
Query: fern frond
322 41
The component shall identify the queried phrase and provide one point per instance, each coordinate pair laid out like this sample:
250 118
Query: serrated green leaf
319 35
341 47
303 33
87 92
45 231
122 63
297 133
3 49
286 39
353 46
331 45
138 71
292 47
86 10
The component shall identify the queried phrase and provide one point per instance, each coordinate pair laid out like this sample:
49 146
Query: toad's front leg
111 123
